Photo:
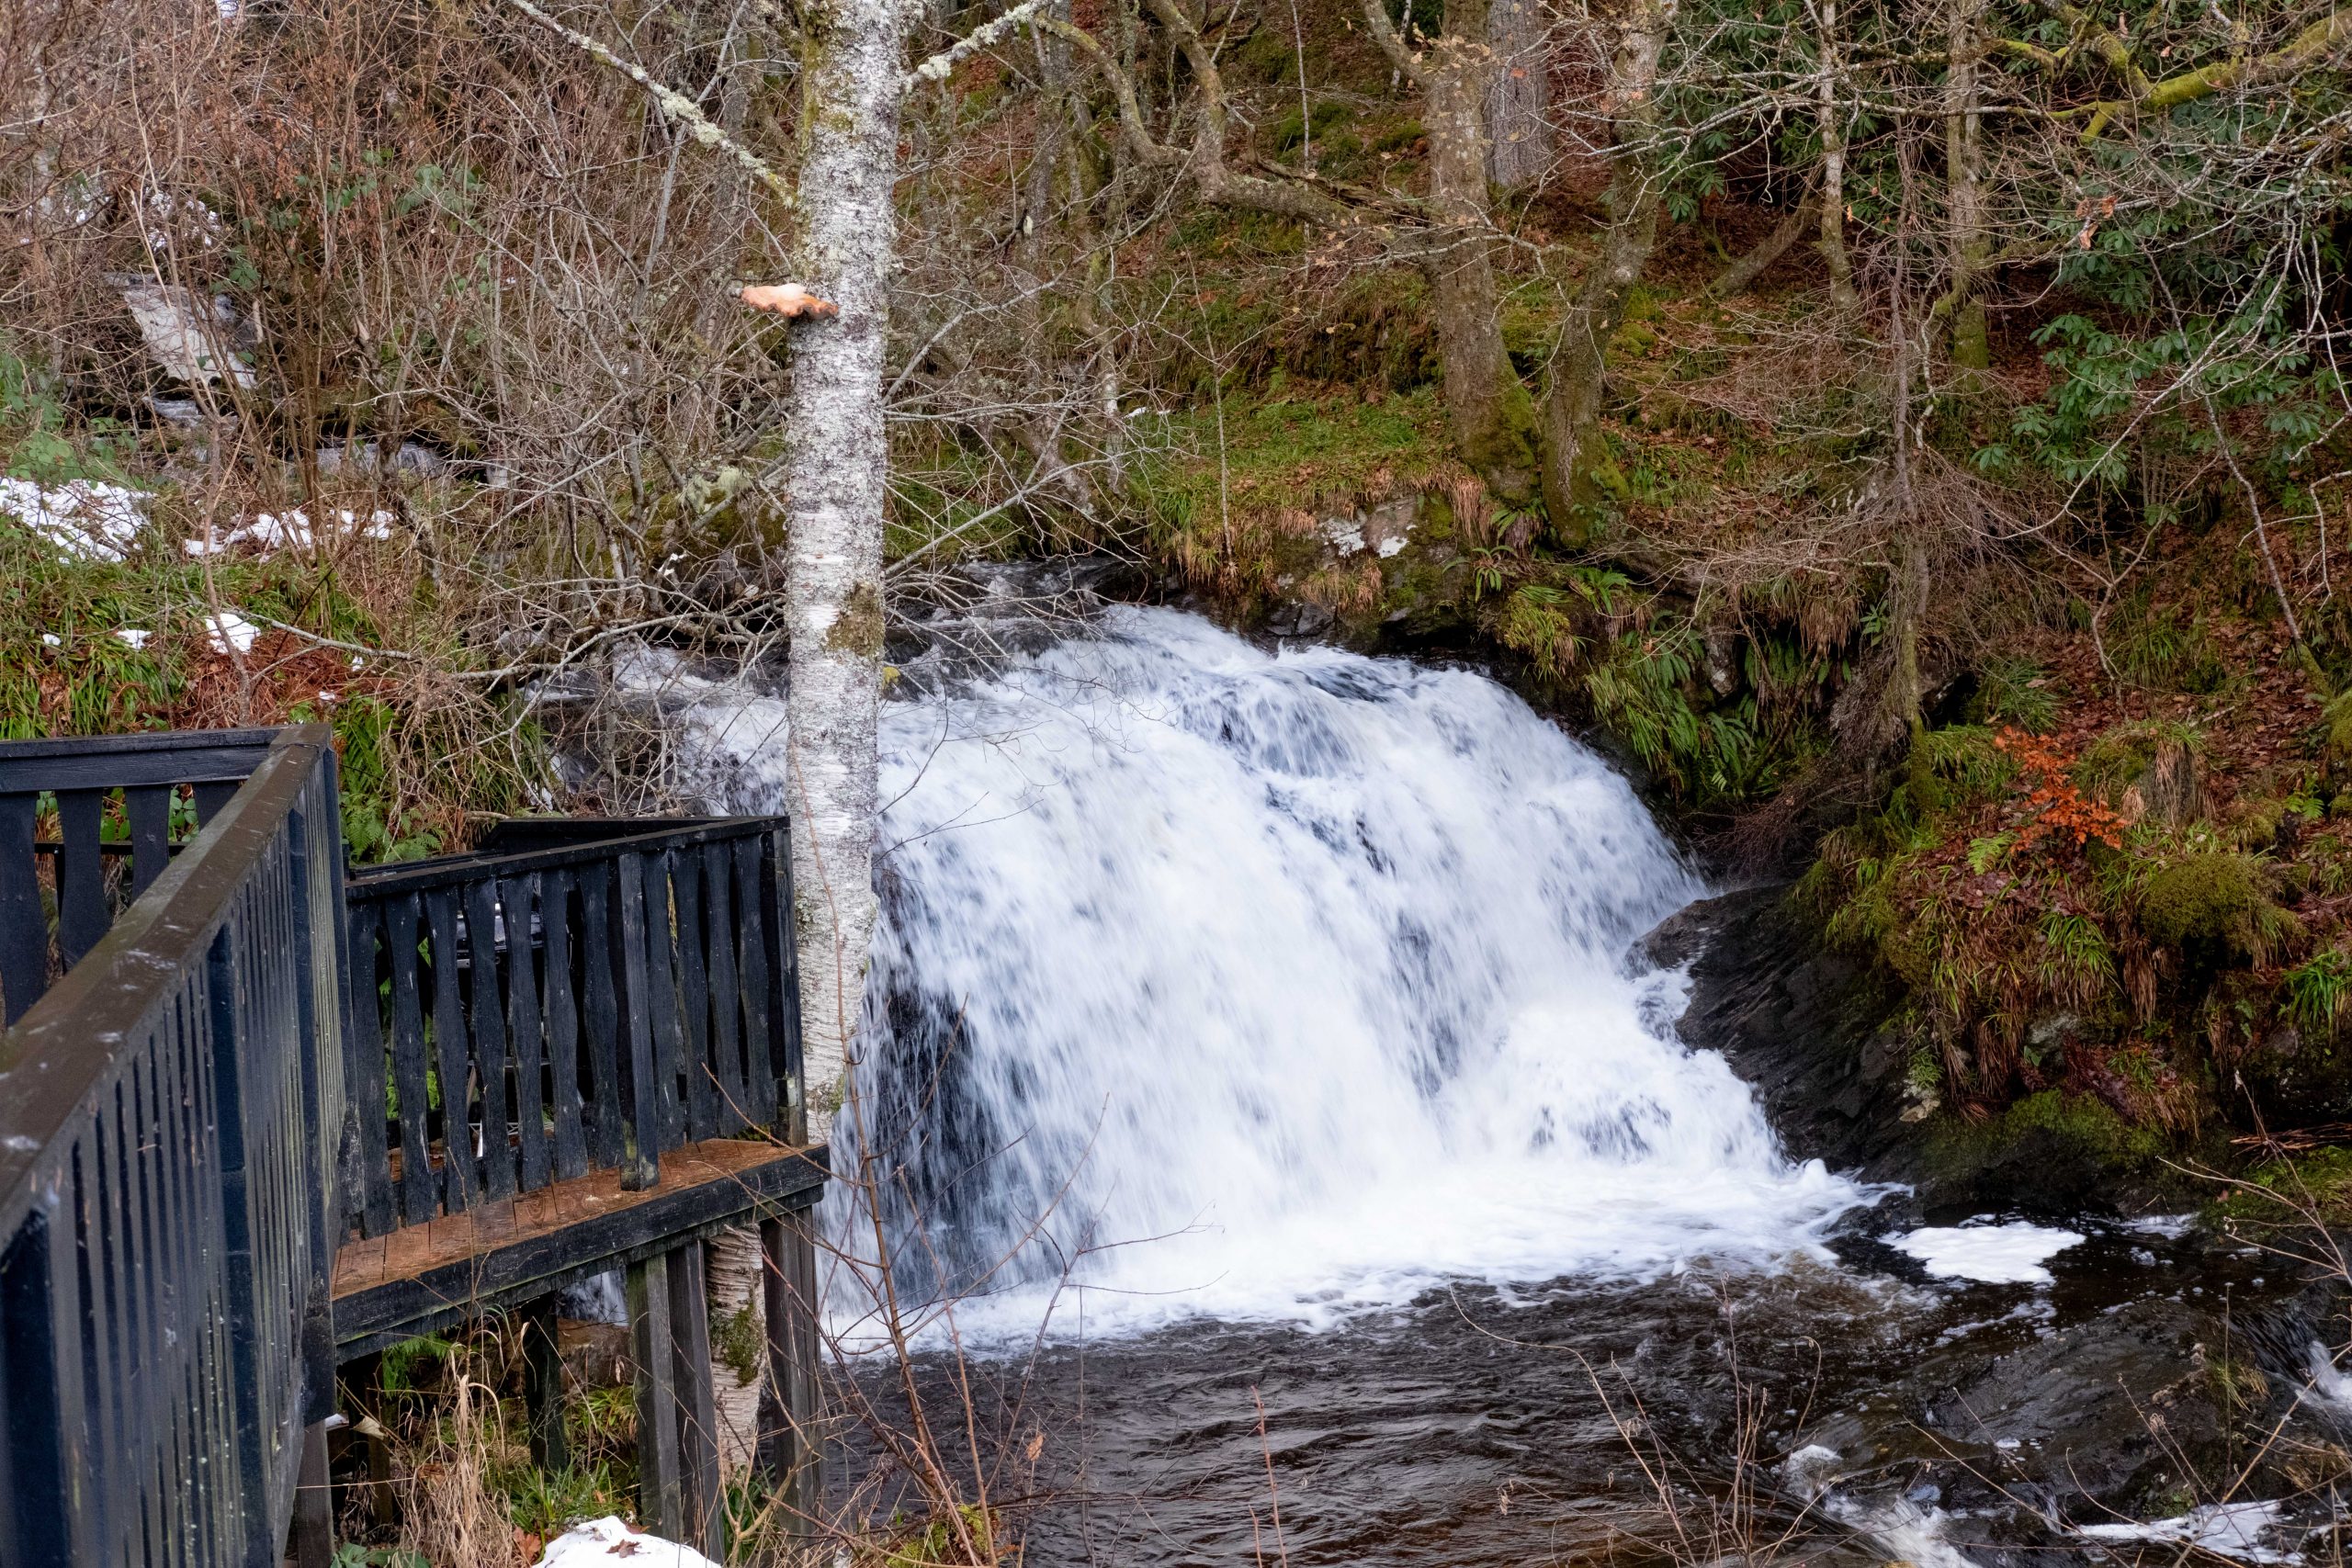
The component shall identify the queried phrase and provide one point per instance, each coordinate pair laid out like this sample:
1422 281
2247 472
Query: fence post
791 1447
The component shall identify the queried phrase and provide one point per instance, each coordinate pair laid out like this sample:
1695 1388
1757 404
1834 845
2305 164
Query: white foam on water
1299 982
1269 986
2229 1529
1993 1254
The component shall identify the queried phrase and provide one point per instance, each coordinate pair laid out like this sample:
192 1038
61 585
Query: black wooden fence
166 1228
575 1005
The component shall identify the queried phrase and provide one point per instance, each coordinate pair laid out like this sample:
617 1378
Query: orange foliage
2057 809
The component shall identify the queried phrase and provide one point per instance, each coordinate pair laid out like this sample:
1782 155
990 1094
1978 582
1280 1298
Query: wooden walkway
257 1117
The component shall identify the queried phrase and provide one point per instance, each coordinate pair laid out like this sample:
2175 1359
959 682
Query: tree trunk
1519 104
1493 418
1842 299
1572 413
1965 175
836 476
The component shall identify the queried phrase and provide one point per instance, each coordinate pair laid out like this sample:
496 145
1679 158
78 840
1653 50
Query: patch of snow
231 630
51 639
186 336
2011 1254
1344 534
2229 1529
1392 545
85 519
608 1541
272 532
132 636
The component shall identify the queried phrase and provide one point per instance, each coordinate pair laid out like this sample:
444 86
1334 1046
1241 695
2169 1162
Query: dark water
1579 1422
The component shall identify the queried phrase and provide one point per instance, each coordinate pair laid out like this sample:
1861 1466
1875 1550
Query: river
1284 1156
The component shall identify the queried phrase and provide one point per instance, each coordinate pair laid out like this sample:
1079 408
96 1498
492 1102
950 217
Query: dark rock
1300 618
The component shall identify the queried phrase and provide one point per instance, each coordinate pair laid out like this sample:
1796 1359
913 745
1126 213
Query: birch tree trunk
836 476
1842 299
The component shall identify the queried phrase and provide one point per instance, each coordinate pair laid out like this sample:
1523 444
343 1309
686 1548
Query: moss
858 628
2210 898
735 1343
2064 1143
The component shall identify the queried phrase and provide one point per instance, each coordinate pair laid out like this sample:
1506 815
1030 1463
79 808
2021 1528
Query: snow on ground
609 1542
84 519
1988 1253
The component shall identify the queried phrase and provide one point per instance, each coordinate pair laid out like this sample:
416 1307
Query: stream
1289 1156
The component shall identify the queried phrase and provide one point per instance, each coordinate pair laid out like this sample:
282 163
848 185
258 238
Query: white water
1304 977
1988 1252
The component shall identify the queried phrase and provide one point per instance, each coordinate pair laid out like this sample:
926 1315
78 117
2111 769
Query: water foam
1266 986
1288 984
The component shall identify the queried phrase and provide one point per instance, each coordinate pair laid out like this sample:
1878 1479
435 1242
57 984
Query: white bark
836 476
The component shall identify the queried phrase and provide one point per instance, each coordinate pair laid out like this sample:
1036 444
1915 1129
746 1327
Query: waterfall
1251 985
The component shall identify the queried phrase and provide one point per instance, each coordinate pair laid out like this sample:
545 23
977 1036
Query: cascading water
1274 985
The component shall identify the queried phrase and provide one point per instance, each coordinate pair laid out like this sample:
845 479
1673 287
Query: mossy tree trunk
1964 181
1573 445
1492 416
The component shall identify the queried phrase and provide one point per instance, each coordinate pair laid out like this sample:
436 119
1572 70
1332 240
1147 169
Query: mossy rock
2048 1151
2210 898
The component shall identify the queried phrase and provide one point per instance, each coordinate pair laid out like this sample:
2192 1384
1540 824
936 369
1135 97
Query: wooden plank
726 991
313 1536
703 1516
487 1022
518 897
543 1389
82 913
641 1161
694 997
364 1073
561 1010
420 1185
662 999
24 929
661 1501
149 809
600 945
754 947
421 1276
460 1168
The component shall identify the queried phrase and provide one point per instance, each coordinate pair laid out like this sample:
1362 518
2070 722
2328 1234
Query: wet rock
1300 618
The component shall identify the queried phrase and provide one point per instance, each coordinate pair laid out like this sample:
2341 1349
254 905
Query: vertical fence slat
662 999
364 1070
694 995
24 931
600 956
516 897
420 1191
561 1010
458 1165
758 982
641 1161
149 809
81 873
726 992
488 1019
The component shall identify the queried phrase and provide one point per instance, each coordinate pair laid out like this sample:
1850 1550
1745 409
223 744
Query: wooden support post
790 1451
698 1404
313 1533
543 1393
661 1500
